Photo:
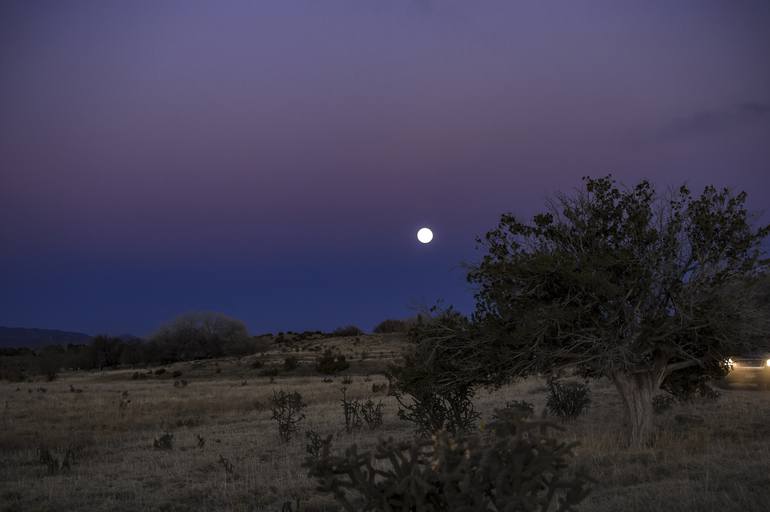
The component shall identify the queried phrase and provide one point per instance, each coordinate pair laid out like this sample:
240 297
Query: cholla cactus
515 467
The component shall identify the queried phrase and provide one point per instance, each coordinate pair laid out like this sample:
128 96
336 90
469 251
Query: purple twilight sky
273 160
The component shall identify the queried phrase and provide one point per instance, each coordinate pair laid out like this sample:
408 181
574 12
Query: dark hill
36 338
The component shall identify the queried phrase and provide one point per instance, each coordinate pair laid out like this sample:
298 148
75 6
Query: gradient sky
273 159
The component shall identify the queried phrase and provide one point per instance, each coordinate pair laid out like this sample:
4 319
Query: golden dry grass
720 464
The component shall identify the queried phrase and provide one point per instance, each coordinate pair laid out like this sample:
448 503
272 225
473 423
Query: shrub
391 325
351 411
176 374
257 364
268 372
517 466
330 364
316 444
290 363
54 464
567 400
347 330
376 388
160 371
427 385
287 412
372 413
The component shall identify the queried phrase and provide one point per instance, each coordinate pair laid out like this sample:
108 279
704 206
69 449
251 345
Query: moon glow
425 235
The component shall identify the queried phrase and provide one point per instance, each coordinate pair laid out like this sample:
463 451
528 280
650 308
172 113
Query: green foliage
287 412
514 466
329 364
567 400
624 283
614 279
426 384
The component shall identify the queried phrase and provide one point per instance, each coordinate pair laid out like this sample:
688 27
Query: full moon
425 235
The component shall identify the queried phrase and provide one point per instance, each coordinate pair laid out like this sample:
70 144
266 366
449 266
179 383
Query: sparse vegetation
518 464
287 409
347 330
329 363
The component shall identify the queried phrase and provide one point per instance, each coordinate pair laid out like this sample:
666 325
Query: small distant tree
625 284
329 363
203 335
347 330
51 359
392 325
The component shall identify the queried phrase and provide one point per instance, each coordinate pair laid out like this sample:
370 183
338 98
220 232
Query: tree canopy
628 284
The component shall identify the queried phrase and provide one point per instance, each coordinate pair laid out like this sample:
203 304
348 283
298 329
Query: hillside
36 338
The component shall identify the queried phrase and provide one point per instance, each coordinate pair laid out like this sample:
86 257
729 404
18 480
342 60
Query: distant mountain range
36 338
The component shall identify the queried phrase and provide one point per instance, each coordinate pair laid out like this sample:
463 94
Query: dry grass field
708 456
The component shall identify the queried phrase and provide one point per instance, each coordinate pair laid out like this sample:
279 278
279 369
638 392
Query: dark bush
371 412
391 325
330 364
287 412
426 384
517 467
160 371
176 374
347 330
290 363
269 372
351 412
567 400
316 444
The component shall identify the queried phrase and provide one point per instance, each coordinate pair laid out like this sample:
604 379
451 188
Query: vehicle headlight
768 362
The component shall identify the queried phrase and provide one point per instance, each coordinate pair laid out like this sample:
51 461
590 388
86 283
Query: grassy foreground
709 456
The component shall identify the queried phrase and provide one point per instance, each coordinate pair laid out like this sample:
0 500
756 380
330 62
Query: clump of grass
567 400
54 464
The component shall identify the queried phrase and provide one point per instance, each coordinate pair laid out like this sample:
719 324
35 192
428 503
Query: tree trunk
637 390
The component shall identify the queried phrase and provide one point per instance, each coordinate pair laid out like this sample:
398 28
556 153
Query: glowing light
425 235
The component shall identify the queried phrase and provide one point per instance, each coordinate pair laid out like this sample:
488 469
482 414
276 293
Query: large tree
627 284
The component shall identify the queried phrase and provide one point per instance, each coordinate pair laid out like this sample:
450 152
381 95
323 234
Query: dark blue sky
273 160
